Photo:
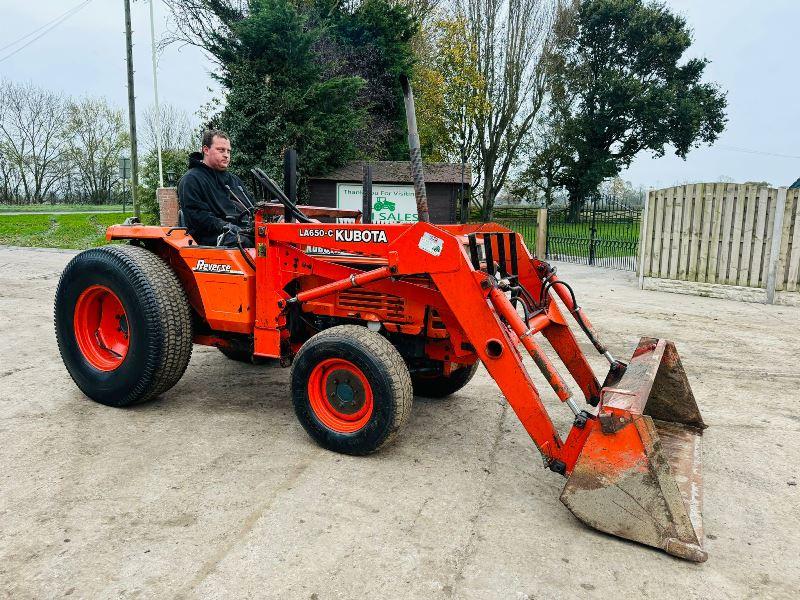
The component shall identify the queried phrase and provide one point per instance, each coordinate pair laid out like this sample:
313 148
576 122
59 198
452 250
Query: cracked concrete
215 491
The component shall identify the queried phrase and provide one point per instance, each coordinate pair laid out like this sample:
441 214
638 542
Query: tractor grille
363 300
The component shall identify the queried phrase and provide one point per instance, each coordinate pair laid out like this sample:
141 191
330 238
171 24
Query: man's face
218 154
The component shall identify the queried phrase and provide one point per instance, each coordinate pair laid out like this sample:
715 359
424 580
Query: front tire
351 389
123 324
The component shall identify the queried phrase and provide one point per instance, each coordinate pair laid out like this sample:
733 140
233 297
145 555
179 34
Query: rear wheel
123 324
441 386
243 356
351 389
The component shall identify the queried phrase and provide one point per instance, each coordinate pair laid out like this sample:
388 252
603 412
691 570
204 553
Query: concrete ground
215 491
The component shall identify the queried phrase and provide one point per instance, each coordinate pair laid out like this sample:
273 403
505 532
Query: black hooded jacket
205 201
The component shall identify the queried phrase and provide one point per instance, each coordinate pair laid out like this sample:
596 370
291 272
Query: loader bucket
638 475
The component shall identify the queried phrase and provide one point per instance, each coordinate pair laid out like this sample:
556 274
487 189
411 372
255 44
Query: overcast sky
752 47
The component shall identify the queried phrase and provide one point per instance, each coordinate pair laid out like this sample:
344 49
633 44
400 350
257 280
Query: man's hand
230 235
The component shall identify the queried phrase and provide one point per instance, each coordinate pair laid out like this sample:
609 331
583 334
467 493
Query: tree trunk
487 208
576 201
488 193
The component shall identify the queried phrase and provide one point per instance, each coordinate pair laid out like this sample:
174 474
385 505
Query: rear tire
441 386
123 324
351 389
243 356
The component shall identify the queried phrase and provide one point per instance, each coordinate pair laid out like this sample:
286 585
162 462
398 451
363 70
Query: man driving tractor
216 209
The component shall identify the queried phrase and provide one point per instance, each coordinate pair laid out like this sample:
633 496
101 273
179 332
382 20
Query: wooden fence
722 234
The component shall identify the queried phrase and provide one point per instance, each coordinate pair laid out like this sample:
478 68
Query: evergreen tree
316 75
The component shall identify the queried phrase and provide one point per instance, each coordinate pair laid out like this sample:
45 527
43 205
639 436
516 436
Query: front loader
369 315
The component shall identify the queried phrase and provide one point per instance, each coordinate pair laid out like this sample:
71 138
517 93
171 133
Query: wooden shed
392 190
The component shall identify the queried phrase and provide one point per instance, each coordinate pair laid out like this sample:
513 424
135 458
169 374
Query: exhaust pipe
416 153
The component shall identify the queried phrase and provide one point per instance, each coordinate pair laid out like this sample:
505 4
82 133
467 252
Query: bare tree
9 179
421 10
204 23
507 37
450 91
97 139
33 137
177 129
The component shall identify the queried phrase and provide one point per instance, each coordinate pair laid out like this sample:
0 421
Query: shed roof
395 171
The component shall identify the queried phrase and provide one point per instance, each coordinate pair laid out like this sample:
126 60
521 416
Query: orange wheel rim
101 328
340 395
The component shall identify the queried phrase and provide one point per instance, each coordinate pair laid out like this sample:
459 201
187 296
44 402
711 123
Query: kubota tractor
368 315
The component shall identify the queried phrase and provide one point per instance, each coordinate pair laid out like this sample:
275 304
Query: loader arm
612 456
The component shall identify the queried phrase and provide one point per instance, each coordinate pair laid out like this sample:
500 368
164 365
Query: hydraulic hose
577 312
244 253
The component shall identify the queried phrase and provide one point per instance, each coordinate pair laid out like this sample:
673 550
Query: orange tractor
388 312
369 315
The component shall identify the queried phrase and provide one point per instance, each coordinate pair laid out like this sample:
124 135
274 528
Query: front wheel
351 389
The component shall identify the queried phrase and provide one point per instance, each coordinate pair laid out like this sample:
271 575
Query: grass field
616 231
78 232
615 239
81 231
59 208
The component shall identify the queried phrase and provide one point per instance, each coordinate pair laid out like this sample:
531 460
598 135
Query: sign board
390 203
124 167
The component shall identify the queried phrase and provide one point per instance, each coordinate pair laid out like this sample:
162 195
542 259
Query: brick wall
168 206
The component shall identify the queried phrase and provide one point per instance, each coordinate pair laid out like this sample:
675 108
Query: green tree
450 93
537 182
278 95
375 41
317 75
619 84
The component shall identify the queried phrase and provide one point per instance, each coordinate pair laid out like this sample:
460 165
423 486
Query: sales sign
390 203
